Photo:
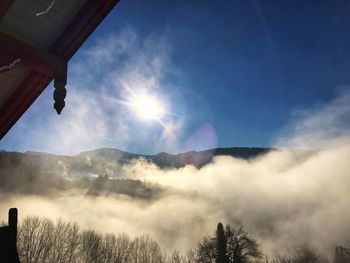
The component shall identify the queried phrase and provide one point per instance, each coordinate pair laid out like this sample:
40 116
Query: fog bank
282 198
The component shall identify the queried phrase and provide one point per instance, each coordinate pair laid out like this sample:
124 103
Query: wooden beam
81 27
21 99
5 6
30 56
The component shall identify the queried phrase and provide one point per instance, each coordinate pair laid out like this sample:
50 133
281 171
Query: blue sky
232 73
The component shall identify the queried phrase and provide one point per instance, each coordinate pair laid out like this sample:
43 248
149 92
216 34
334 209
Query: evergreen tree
220 248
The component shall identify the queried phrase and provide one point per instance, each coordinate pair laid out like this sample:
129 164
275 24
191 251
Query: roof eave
65 46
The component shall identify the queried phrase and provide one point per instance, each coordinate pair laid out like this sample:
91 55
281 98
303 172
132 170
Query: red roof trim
30 56
87 19
4 6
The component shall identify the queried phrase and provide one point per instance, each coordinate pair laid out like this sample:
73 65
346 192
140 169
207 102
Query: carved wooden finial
59 96
13 219
13 213
60 92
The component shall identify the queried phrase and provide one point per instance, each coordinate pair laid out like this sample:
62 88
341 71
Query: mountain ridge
109 161
219 149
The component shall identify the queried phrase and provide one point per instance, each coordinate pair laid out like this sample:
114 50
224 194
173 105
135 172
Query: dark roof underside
59 32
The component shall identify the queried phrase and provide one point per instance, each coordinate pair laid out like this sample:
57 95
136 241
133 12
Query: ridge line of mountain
219 149
110 159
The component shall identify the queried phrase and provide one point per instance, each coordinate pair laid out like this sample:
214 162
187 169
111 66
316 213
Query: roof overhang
41 59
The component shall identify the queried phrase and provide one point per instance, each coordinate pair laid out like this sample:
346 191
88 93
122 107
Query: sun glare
148 107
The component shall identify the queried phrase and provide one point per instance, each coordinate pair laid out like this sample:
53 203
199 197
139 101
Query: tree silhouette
220 245
91 246
40 240
144 249
241 248
231 246
206 250
305 254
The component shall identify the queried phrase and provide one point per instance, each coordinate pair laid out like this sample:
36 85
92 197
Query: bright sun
147 107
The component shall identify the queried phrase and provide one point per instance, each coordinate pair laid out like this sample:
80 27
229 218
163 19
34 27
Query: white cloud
319 127
95 115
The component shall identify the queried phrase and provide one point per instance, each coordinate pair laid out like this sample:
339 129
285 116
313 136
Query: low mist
283 198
